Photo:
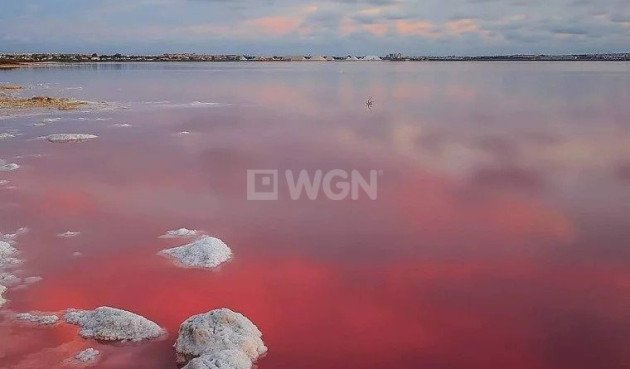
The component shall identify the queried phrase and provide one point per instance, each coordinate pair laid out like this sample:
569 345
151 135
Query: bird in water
369 103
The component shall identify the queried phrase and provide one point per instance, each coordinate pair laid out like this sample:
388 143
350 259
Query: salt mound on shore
213 336
69 137
37 318
182 232
110 324
206 252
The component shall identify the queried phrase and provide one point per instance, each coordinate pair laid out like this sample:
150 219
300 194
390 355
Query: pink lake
500 237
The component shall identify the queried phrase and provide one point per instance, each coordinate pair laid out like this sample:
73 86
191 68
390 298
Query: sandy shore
9 102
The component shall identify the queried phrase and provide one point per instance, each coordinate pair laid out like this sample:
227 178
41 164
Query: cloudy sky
339 27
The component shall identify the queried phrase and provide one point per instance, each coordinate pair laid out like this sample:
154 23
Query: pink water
499 239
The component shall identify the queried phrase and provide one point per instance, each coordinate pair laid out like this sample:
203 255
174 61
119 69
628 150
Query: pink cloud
276 26
420 28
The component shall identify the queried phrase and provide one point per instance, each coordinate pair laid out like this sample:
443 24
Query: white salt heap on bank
220 338
206 252
87 356
69 137
37 318
182 232
110 324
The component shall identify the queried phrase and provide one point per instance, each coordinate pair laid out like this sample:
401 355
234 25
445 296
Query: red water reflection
485 249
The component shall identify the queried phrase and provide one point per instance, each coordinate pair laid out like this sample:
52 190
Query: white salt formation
4 167
110 324
87 356
37 318
68 234
12 236
9 280
32 280
206 252
182 232
69 137
3 289
212 337
7 254
228 359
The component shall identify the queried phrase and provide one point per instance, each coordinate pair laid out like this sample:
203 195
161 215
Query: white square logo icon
262 184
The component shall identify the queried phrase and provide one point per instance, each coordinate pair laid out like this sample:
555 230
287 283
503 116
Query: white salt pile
87 356
220 338
3 289
110 324
69 137
7 167
6 135
121 125
38 318
228 359
182 232
68 234
12 236
7 254
206 252
9 280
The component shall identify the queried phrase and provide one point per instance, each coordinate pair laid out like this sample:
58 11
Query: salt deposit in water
7 167
3 289
68 234
36 318
110 324
70 137
206 252
89 355
8 254
182 232
9 280
228 359
212 336
32 280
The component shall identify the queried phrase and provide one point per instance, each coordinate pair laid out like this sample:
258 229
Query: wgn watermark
336 184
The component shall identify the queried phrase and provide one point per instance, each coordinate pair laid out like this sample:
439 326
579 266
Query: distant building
371 58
